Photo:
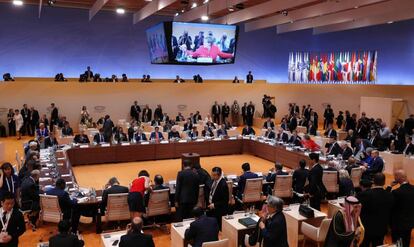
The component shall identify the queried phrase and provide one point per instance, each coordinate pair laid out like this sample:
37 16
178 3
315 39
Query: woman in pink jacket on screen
208 50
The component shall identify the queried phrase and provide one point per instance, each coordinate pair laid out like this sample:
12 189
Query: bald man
403 212
135 237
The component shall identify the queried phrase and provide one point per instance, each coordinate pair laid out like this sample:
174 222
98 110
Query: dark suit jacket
49 142
188 126
334 149
55 114
270 135
346 153
299 179
377 166
271 177
81 139
148 114
15 228
136 240
67 131
135 110
203 229
141 137
410 149
158 113
293 123
316 186
65 240
249 78
35 117
365 143
225 110
295 140
153 136
97 138
30 194
332 133
116 189
242 181
221 132
283 137
377 205
187 187
268 125
173 135
220 197
248 131
215 110
275 232
402 212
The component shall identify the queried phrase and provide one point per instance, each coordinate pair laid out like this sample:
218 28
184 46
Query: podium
192 158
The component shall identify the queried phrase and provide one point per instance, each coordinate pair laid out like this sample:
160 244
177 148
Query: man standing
377 205
186 192
225 112
26 120
244 113
135 111
218 200
329 116
54 116
249 77
12 222
215 111
146 114
34 119
402 218
250 114
235 111
317 189
108 125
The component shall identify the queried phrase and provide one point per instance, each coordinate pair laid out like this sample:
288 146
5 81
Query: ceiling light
194 5
204 18
182 11
285 12
120 11
390 22
205 1
176 14
51 2
18 2
231 9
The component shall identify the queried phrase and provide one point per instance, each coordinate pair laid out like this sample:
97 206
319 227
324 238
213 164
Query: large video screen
199 43
157 44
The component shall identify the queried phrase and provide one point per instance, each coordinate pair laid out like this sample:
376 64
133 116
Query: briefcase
248 222
306 211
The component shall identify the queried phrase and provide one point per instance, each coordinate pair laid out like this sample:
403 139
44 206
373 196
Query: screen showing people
157 44
203 43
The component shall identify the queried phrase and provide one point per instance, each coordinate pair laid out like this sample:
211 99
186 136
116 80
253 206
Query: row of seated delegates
146 78
60 77
89 76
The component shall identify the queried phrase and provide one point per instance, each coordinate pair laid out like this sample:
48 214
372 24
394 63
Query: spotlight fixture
285 12
18 2
51 2
390 22
205 1
194 5
204 18
120 11
231 8
182 11
240 6
176 14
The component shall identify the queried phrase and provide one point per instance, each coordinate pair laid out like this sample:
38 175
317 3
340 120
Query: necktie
102 140
156 136
4 218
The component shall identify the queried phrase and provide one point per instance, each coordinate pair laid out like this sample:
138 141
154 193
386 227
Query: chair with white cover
117 208
218 243
317 234
246 242
231 197
49 209
356 174
330 180
201 197
253 190
283 186
158 204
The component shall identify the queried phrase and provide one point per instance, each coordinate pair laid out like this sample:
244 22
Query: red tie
157 136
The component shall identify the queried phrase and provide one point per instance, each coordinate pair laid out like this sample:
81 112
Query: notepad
164 142
105 145
144 143
125 144
83 146
182 141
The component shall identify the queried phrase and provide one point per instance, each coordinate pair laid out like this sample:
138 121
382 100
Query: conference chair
283 186
158 204
49 209
246 242
252 192
316 234
201 197
330 180
356 174
117 208
219 243
231 197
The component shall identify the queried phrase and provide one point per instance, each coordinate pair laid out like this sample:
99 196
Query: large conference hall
206 123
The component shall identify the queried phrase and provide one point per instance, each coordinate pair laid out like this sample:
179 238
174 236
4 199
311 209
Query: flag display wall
333 67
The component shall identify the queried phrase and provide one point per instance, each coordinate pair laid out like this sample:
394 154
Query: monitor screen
199 43
157 44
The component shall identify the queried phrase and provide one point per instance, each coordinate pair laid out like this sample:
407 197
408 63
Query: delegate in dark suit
316 187
65 240
50 142
275 232
135 111
248 131
81 139
219 196
402 219
375 215
216 111
15 228
136 240
334 149
282 137
99 138
186 192
153 136
30 199
377 166
242 181
203 229
299 179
